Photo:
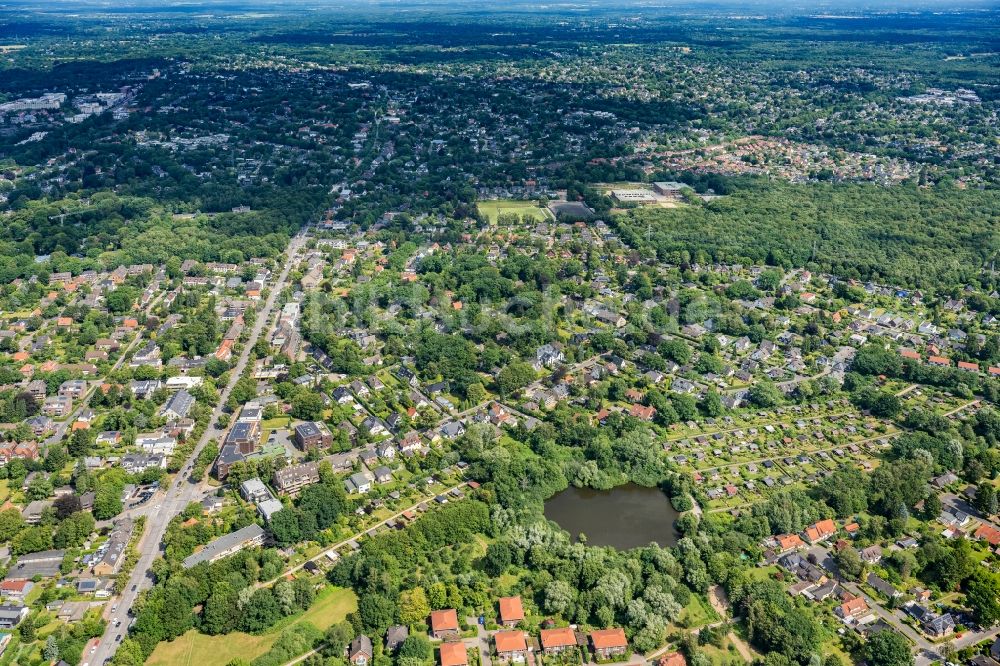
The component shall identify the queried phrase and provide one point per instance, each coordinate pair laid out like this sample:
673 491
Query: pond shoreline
623 517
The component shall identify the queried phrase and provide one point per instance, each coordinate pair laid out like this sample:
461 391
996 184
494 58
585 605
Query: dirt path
742 647
720 600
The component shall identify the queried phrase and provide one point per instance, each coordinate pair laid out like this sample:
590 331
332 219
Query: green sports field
493 209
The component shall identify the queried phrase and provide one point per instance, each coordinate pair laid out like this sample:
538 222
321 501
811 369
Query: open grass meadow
195 649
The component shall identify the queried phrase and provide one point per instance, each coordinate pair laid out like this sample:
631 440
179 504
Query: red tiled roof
821 529
510 641
453 654
673 659
444 620
562 637
788 541
853 606
511 609
988 533
604 639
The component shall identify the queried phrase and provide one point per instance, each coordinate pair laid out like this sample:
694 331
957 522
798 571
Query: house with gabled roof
820 531
556 641
511 611
444 623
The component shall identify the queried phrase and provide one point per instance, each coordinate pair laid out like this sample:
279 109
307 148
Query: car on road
118 638
134 587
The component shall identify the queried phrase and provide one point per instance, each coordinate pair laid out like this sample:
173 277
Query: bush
294 641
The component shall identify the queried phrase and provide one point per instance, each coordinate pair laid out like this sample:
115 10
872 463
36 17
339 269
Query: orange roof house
20 356
607 642
557 640
643 412
453 654
789 541
444 622
852 608
938 360
965 365
15 587
909 353
510 642
511 611
672 659
225 350
988 533
130 323
820 530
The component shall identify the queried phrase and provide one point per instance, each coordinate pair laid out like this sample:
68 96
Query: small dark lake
624 517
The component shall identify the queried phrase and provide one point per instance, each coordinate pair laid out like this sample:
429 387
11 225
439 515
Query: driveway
481 641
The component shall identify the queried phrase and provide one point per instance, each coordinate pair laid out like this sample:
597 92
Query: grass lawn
698 613
274 424
492 209
194 649
762 573
724 656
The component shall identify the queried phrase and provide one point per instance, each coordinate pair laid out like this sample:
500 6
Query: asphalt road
181 491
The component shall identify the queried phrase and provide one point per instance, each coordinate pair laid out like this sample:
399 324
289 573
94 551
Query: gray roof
223 544
180 403
361 644
45 564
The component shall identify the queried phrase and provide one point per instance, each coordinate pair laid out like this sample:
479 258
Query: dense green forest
906 236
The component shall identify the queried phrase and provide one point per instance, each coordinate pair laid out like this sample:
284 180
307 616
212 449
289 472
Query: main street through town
181 491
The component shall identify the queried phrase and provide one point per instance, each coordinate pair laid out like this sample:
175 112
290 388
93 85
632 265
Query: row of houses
511 645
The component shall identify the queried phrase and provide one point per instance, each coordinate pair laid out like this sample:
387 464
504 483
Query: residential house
15 590
249 536
313 434
444 623
114 549
556 641
453 654
254 490
360 651
608 643
178 406
820 531
510 646
672 659
292 479
511 611
360 482
395 636
872 554
11 615
884 587
852 609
